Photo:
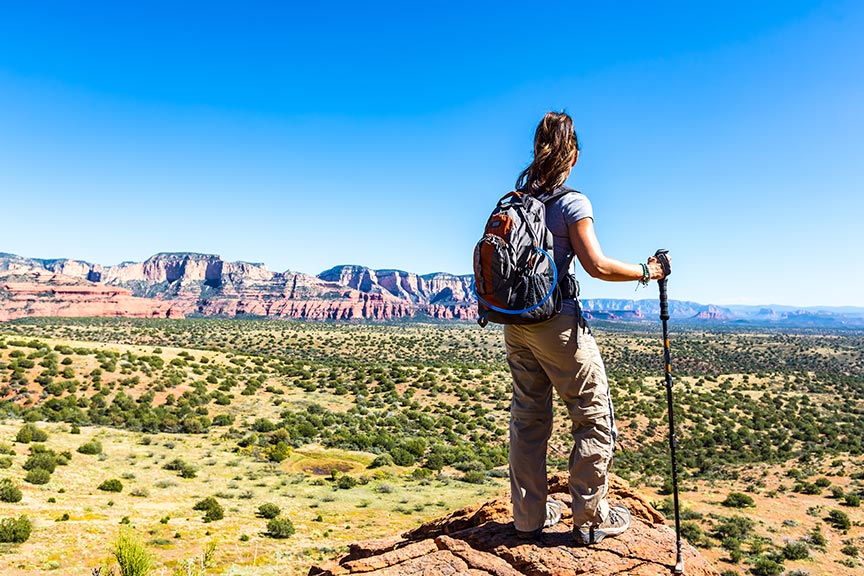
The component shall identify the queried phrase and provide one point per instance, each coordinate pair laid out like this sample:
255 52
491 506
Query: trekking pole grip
663 259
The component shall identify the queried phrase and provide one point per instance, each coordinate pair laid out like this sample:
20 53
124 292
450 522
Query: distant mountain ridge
181 284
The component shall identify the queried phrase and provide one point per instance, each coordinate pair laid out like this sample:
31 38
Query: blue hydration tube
535 306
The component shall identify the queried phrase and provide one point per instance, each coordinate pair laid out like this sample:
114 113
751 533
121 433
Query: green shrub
850 549
816 538
112 485
806 488
5 462
131 554
434 461
223 420
839 520
92 447
738 500
30 433
764 566
822 482
37 476
15 530
382 460
184 470
474 477
402 457
796 550
268 511
692 533
737 527
212 509
280 527
44 460
279 452
346 482
9 491
852 500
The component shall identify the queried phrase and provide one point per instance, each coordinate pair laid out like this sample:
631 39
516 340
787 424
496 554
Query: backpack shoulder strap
555 194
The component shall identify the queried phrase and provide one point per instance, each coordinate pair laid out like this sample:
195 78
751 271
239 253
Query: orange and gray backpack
515 277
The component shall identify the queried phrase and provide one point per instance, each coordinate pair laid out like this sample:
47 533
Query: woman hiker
561 353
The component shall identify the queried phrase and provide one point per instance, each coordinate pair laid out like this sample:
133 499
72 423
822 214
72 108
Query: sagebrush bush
9 491
850 549
738 500
112 485
474 477
796 550
5 462
839 520
382 460
280 527
38 476
15 530
92 448
30 433
346 482
44 460
268 510
764 566
692 533
183 469
211 508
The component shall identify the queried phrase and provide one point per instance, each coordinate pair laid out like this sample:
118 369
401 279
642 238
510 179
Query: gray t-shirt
560 214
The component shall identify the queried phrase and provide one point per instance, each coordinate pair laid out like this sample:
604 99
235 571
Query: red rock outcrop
57 296
179 284
479 540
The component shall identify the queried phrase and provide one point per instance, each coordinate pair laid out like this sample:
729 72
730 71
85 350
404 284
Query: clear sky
309 135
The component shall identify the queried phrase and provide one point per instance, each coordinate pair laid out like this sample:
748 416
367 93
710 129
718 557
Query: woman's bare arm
598 265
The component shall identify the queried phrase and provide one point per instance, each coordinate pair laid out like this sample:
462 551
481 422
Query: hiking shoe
553 516
616 523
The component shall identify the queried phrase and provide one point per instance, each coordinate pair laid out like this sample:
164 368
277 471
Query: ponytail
555 147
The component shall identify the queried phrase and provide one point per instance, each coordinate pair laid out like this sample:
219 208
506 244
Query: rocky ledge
480 541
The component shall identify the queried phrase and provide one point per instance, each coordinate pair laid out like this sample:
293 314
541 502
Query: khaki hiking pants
560 353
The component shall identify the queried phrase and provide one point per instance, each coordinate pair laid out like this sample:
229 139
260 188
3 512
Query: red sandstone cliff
180 284
58 295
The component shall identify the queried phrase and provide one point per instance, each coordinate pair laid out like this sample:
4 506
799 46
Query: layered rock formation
480 541
181 284
58 295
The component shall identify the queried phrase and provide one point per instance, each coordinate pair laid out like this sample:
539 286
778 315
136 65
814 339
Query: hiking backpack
515 277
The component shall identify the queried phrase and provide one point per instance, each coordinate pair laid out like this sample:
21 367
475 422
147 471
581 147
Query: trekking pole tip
679 565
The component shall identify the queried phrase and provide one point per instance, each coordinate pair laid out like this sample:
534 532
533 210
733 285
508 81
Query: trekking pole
663 259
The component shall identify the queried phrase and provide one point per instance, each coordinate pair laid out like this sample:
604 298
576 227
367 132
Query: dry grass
300 486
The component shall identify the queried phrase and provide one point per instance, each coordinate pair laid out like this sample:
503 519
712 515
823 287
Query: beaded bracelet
646 275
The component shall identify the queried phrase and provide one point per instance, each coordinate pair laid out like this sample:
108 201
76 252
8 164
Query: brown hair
555 146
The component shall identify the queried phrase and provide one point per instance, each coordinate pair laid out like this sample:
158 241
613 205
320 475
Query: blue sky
382 134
